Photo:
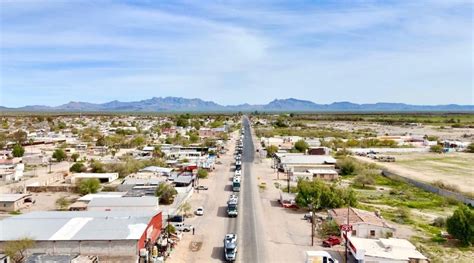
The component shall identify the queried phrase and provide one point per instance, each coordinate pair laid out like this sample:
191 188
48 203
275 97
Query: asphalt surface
251 238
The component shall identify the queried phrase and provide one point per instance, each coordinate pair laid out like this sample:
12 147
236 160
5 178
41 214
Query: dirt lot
452 168
462 134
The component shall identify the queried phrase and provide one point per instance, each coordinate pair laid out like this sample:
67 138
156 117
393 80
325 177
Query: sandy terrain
463 134
452 168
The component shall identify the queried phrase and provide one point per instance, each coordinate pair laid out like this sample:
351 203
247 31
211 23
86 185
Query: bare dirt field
447 133
452 168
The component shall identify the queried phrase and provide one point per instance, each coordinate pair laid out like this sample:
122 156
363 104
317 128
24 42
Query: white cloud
364 52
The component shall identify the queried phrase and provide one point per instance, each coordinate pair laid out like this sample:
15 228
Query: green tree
75 156
364 179
166 193
461 225
182 122
19 136
59 155
202 173
348 166
89 186
436 148
77 168
317 194
301 146
16 249
271 150
18 150
62 203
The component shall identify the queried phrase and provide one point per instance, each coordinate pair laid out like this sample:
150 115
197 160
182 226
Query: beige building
364 224
14 202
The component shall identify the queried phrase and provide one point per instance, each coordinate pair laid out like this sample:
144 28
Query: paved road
250 215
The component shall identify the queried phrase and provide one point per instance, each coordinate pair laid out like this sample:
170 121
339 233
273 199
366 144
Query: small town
204 188
282 131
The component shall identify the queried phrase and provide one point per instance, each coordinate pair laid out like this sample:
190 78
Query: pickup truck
230 247
331 241
182 227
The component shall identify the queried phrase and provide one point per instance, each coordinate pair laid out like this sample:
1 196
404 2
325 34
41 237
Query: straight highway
250 215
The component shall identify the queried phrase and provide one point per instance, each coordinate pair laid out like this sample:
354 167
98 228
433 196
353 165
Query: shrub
77 168
75 156
348 166
202 173
89 186
363 180
436 149
62 203
446 186
166 193
328 228
439 222
470 148
59 155
461 225
271 150
301 146
18 150
403 215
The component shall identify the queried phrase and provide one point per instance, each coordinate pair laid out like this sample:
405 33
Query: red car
331 241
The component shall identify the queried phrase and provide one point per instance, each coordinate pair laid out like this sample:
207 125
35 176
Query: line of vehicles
230 240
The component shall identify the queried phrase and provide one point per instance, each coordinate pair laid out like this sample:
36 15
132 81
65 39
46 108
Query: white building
391 250
103 177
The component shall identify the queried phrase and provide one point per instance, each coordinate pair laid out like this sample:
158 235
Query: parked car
176 218
199 211
308 216
201 187
331 241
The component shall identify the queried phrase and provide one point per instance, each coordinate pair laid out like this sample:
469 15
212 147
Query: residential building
15 202
103 177
98 233
364 224
391 250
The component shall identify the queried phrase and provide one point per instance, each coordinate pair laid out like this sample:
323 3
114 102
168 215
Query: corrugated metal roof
307 159
143 201
77 225
12 197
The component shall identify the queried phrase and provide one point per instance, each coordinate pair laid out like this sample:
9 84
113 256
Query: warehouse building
108 234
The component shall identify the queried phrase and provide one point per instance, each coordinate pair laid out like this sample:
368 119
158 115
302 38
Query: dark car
176 219
201 187
331 241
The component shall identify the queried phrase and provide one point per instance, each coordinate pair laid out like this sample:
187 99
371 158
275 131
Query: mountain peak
179 104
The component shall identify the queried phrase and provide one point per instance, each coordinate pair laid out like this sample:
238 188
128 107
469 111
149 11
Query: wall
99 248
152 232
430 188
363 231
8 206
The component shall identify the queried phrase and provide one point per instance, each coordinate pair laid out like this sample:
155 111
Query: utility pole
312 225
288 179
346 230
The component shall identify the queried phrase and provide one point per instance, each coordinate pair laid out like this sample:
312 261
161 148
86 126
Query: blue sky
232 52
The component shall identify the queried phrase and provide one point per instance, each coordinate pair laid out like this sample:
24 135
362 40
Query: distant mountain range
176 104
